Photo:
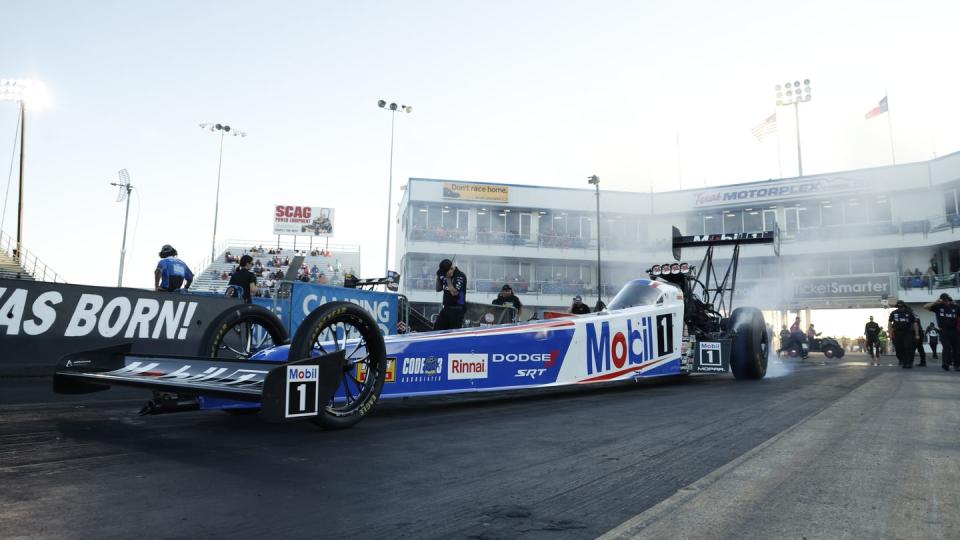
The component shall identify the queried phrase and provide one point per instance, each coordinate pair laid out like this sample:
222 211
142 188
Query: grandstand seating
10 269
341 261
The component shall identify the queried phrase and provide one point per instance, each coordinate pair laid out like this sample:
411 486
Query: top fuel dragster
677 321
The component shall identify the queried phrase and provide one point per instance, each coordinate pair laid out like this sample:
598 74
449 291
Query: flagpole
779 160
679 167
893 155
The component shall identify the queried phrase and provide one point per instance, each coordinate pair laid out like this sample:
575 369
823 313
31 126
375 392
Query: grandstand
27 266
321 265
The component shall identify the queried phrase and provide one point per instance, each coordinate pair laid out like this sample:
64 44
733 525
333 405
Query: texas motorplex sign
871 285
476 192
289 219
778 190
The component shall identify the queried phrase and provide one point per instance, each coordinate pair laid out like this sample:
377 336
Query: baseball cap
946 297
901 303
445 265
577 298
506 287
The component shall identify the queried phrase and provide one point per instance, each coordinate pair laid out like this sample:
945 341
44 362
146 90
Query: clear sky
541 92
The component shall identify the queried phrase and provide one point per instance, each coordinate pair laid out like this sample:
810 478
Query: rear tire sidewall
748 358
301 346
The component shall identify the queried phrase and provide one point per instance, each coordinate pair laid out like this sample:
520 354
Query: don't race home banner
42 322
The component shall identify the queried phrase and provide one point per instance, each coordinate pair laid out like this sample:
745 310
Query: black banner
42 322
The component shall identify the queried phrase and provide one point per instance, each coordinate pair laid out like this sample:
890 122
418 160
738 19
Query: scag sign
299 220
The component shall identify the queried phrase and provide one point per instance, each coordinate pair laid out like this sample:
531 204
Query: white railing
29 262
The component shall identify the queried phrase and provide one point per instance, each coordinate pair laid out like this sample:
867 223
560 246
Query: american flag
878 110
766 127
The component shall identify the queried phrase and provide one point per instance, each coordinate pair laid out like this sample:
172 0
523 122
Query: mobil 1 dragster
677 321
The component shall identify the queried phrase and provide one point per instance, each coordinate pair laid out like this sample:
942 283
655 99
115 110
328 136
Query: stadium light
794 94
22 91
393 108
224 130
595 181
125 188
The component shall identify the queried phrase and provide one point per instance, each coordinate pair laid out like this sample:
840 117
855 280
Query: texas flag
878 110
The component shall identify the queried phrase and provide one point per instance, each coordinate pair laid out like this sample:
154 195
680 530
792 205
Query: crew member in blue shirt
171 272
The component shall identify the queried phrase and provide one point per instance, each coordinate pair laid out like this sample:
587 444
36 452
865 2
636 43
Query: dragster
678 320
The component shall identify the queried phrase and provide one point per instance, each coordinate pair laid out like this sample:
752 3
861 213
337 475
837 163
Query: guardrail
30 263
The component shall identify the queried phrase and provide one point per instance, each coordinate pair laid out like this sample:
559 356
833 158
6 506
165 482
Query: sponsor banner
468 366
779 190
295 220
42 322
873 285
307 297
476 192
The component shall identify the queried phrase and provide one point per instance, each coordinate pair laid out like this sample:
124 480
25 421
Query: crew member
784 338
946 312
243 278
933 337
507 298
171 272
920 342
872 334
453 283
578 307
811 333
904 331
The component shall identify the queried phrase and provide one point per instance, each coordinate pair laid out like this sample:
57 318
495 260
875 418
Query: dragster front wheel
242 331
750 344
343 326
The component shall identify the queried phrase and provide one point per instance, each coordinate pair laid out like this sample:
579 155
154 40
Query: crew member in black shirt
243 277
578 307
946 311
453 283
904 329
507 298
872 334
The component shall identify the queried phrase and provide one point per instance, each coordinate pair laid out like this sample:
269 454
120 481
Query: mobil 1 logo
302 389
664 334
710 357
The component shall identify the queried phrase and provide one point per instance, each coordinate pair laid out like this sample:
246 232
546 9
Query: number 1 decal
664 334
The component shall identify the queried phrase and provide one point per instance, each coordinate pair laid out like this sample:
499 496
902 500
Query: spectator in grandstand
322 279
314 269
578 307
507 298
171 272
244 280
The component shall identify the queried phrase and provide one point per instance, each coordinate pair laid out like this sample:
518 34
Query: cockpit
643 292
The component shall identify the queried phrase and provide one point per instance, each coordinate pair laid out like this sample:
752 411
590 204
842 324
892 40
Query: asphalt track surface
558 464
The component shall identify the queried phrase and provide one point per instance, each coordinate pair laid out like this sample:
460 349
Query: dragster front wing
300 388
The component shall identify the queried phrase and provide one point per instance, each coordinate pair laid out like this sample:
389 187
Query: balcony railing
28 261
520 287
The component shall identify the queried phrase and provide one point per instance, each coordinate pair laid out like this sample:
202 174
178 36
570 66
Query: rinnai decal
629 346
467 366
798 189
302 220
419 369
93 315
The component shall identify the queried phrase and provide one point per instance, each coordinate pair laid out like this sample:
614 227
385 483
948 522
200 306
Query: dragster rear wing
707 240
259 382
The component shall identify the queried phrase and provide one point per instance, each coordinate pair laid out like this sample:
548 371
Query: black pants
873 347
949 341
449 318
921 352
903 343
933 346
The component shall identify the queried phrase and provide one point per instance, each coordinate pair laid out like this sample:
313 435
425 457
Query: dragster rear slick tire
355 324
750 344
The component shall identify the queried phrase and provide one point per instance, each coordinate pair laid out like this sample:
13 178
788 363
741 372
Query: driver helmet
167 251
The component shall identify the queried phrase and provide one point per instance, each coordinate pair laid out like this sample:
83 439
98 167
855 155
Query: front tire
241 332
750 344
344 326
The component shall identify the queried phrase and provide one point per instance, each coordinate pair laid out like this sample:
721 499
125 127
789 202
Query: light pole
224 130
392 107
20 91
125 188
793 94
595 180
